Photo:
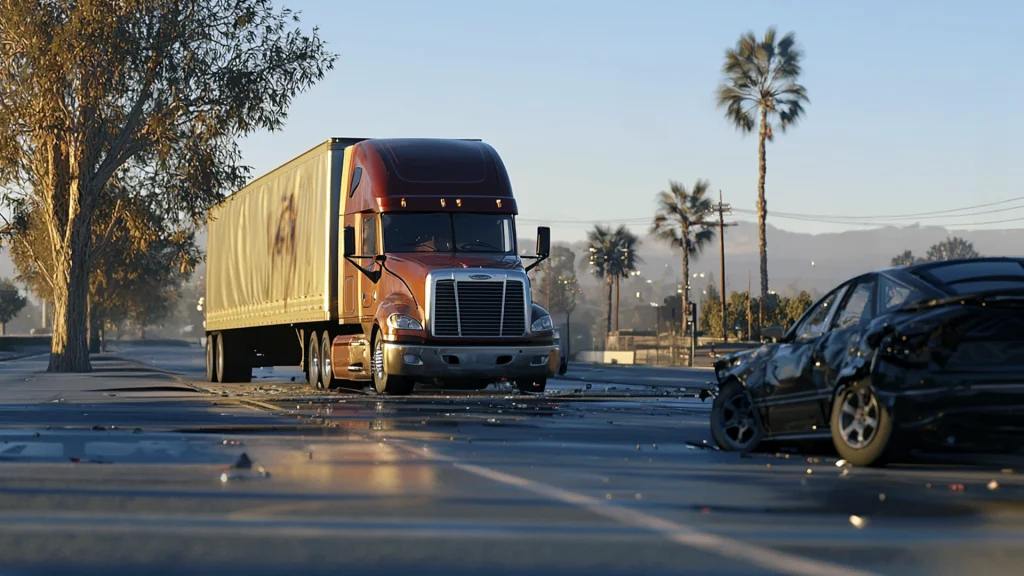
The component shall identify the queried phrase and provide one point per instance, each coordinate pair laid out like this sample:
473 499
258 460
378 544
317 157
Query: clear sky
594 105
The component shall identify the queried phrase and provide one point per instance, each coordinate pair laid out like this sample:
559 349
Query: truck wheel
535 385
313 360
382 381
233 364
211 357
327 379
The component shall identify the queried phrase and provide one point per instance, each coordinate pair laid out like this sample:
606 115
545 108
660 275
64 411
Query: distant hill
836 256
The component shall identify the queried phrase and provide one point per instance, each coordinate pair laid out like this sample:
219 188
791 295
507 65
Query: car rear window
980 276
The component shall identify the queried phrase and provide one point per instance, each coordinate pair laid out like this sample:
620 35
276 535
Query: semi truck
388 262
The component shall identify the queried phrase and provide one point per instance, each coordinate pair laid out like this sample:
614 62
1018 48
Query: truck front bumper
471 361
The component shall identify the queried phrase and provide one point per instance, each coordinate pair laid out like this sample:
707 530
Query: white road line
672 531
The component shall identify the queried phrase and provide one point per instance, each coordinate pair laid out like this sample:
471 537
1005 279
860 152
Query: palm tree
681 221
760 77
612 256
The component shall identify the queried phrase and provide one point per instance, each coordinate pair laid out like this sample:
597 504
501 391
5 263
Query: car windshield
490 233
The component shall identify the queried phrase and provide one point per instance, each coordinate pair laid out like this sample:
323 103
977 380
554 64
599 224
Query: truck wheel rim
378 361
325 351
858 419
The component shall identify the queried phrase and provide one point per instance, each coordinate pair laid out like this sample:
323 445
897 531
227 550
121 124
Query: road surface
140 467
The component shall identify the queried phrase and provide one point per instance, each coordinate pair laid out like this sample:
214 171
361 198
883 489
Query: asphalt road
138 467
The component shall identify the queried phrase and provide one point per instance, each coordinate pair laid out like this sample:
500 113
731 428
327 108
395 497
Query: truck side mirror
543 241
349 242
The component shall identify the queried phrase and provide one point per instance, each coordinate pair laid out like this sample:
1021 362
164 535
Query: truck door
368 246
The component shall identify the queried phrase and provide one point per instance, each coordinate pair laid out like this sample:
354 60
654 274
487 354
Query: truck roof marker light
442 202
458 202
403 202
499 202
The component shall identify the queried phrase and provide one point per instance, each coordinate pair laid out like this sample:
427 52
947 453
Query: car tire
862 426
735 423
533 385
563 367
383 382
327 380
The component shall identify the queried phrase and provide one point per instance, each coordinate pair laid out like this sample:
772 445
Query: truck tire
384 382
535 385
211 357
313 360
327 380
233 363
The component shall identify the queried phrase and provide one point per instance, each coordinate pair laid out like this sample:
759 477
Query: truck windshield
492 233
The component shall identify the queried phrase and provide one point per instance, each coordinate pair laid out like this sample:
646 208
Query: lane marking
674 532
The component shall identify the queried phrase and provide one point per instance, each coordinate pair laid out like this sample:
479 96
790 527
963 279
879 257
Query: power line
829 218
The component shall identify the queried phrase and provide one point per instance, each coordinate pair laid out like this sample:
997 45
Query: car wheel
735 425
535 385
384 382
862 427
313 360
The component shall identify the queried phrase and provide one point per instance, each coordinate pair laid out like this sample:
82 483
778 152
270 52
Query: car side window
814 323
892 294
858 308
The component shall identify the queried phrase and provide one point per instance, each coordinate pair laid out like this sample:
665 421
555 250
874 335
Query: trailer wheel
211 357
382 381
327 379
313 360
233 363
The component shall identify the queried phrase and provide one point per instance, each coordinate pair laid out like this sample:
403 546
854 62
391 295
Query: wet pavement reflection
164 470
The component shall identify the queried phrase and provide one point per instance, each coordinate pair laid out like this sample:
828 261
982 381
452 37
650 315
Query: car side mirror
543 241
773 333
349 242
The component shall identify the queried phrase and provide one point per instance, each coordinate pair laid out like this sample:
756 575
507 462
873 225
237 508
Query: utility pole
721 208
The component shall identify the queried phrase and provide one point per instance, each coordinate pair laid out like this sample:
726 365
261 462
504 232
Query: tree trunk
617 298
69 351
95 338
609 331
686 283
762 215
3 329
568 334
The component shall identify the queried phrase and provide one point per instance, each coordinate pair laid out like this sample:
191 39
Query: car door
854 314
790 398
369 247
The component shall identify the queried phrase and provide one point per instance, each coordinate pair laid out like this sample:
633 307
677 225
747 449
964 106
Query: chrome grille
469 308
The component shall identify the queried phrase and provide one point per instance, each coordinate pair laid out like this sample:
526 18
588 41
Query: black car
923 356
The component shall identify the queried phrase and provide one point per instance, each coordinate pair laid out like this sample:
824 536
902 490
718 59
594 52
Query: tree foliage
762 77
781 311
682 221
11 302
148 95
613 255
952 248
556 284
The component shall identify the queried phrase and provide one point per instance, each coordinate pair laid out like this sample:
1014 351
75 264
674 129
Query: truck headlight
542 324
403 322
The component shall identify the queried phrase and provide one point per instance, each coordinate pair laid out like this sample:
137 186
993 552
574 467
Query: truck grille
479 308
